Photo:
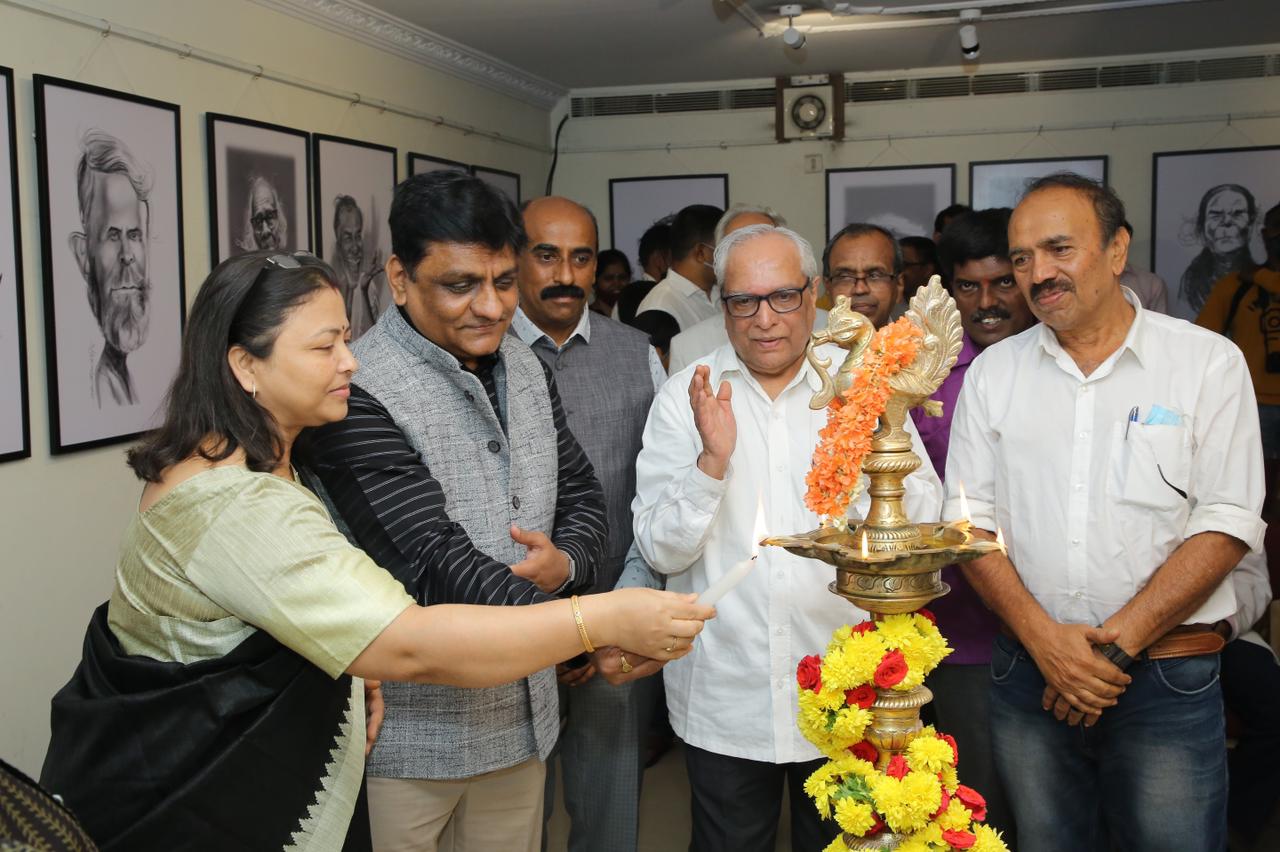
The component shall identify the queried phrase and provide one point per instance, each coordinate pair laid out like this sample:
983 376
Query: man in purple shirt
974 250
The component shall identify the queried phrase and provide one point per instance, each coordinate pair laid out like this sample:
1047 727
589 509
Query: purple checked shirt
962 616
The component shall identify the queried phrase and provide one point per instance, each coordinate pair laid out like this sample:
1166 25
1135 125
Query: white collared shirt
708 336
530 334
687 303
1087 500
735 693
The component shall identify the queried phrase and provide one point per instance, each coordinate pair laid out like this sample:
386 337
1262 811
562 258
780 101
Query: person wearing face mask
688 292
1245 306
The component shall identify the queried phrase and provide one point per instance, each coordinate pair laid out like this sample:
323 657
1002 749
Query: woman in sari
220 702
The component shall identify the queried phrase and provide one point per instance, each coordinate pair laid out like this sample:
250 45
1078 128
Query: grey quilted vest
606 389
491 480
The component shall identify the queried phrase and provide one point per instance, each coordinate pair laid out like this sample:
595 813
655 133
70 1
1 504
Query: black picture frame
645 204
417 164
120 394
1188 178
1026 170
15 420
922 226
356 176
501 180
274 146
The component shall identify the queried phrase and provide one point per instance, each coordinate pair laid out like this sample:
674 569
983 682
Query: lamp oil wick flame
759 535
864 543
964 505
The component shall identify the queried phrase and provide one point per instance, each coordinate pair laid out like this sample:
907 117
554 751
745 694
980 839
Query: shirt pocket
1154 465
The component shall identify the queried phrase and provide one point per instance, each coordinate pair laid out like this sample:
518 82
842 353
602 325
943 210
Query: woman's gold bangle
582 628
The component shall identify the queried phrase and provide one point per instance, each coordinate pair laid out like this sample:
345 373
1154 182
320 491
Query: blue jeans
1151 775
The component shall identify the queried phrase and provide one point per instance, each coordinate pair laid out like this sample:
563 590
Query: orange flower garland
846 439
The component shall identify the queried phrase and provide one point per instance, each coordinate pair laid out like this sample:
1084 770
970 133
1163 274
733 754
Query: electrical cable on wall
555 154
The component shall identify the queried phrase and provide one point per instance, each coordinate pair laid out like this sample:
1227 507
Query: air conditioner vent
1147 74
1068 78
1233 68
942 87
753 98
687 102
1000 84
875 90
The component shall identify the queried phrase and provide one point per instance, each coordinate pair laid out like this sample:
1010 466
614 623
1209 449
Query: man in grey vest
455 470
607 374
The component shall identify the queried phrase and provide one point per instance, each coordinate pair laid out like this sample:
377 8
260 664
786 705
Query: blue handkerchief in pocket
1161 416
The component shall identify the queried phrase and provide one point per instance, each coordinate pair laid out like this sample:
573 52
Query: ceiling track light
791 36
969 47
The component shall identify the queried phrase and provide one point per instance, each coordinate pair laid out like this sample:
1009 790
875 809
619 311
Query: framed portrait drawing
636 203
259 187
422 163
1206 217
508 182
354 182
1000 183
15 429
901 199
110 169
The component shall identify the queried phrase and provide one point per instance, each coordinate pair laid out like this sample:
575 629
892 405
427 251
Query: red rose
946 801
864 696
960 839
809 673
891 671
955 749
897 767
933 619
865 751
877 827
972 800
863 627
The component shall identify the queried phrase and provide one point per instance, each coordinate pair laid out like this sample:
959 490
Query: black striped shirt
396 509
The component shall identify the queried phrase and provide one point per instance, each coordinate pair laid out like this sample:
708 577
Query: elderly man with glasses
728 439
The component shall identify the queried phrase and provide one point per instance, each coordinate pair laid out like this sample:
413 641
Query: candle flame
1000 541
864 543
964 503
760 530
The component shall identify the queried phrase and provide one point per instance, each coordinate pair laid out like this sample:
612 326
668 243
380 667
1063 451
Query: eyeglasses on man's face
874 278
746 305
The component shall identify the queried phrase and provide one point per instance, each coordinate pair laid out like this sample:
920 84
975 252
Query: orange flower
845 440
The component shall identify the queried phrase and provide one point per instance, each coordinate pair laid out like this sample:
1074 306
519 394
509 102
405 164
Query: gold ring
672 646
626 667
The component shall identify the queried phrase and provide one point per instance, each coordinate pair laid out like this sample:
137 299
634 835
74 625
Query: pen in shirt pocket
1133 418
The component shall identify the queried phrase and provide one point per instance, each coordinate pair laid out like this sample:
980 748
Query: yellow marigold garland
845 440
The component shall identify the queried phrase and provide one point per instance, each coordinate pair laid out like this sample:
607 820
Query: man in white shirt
727 438
694 342
1119 451
688 292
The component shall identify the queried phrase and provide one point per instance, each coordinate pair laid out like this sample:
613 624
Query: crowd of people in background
476 507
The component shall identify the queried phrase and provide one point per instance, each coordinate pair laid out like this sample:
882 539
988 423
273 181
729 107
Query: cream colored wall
61 518
769 173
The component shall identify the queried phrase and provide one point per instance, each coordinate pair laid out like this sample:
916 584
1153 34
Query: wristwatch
1115 654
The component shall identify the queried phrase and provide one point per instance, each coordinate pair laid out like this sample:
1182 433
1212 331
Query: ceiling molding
360 21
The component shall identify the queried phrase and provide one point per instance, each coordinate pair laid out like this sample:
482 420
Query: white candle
727 581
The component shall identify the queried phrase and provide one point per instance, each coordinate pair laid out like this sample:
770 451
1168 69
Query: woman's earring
255 389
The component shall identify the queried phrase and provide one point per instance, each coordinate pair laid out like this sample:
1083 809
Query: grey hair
724 248
738 209
100 152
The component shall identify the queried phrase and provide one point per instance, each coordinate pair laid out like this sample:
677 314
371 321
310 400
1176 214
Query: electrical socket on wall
812 164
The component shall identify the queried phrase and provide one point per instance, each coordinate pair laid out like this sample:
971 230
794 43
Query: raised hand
647 622
713 418
544 564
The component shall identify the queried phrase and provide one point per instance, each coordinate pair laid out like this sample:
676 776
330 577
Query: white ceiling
596 43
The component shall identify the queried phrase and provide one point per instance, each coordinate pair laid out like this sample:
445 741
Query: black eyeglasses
873 278
746 305
282 261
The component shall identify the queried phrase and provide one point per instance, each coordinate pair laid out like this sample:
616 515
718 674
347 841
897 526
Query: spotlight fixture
791 36
969 46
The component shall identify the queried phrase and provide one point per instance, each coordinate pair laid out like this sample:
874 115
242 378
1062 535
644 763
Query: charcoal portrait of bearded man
111 251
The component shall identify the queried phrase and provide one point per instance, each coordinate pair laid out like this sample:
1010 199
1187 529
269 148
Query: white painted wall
61 518
593 149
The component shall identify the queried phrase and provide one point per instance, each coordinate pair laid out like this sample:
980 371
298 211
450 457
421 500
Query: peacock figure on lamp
890 783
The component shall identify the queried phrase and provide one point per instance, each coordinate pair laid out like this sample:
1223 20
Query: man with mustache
1224 224
266 226
974 252
362 284
111 252
1118 449
607 374
864 262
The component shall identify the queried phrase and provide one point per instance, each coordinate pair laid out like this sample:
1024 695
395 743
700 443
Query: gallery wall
61 517
917 132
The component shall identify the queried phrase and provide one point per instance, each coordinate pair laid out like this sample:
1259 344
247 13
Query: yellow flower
897 630
851 725
853 816
950 779
928 754
989 840
956 817
837 845
908 803
914 843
